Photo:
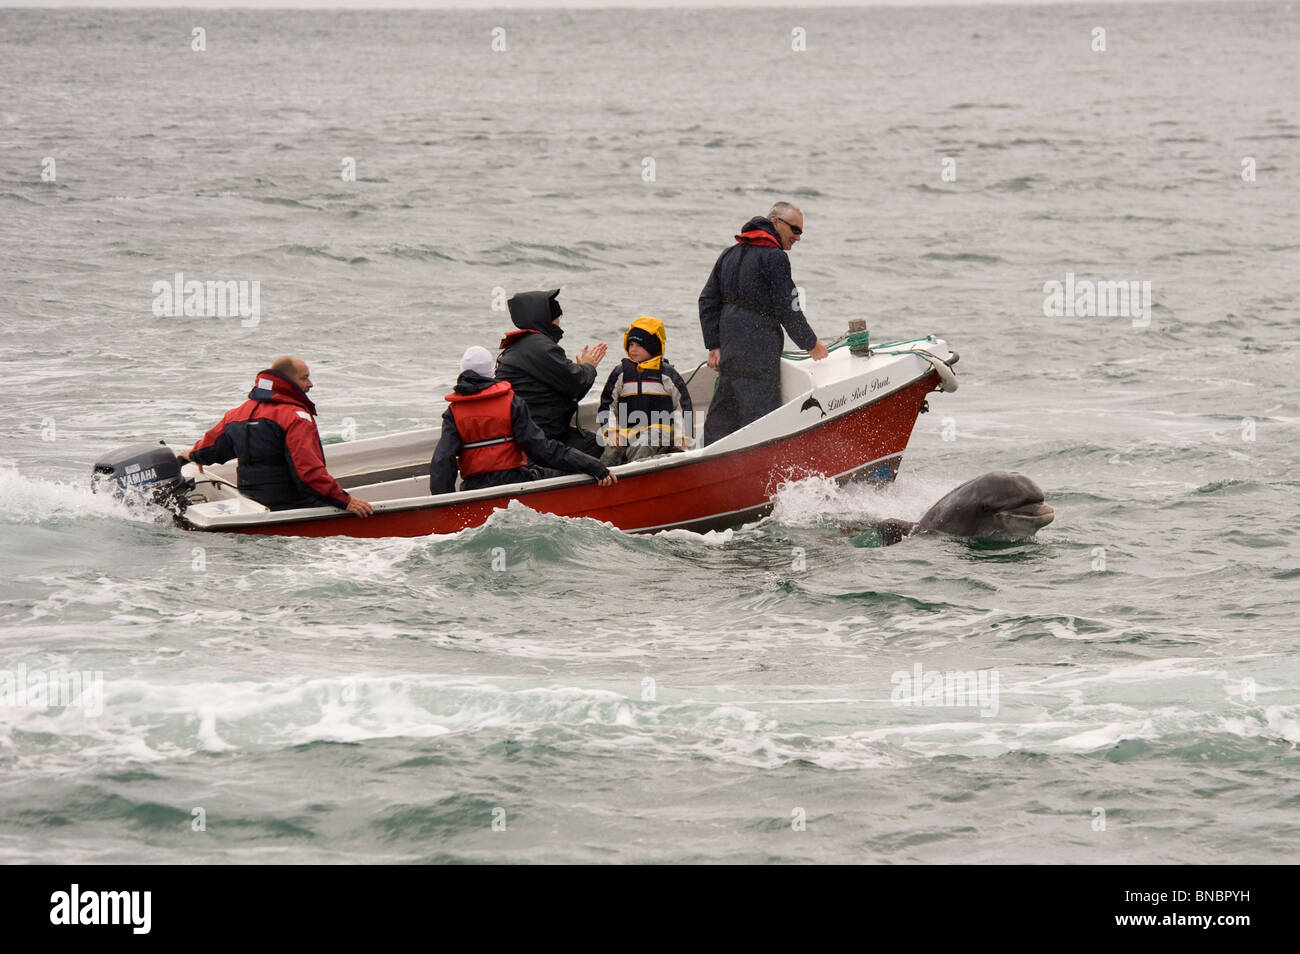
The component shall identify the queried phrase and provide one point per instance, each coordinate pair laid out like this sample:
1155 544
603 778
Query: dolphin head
1001 505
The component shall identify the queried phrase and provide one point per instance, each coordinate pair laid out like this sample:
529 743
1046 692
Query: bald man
274 436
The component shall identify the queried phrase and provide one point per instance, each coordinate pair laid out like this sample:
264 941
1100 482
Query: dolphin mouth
1027 518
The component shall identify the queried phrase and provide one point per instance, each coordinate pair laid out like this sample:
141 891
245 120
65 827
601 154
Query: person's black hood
535 311
761 223
471 382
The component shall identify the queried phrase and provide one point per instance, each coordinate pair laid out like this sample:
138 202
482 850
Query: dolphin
813 402
1000 505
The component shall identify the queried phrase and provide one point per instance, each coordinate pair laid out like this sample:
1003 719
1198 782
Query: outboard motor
149 470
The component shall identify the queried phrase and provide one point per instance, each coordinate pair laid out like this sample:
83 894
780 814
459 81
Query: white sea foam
820 499
144 720
28 500
710 538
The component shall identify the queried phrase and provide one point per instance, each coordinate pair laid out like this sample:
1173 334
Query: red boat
848 417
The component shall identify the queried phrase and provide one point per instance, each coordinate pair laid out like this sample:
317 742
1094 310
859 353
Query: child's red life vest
488 439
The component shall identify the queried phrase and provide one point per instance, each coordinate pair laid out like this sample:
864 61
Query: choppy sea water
677 697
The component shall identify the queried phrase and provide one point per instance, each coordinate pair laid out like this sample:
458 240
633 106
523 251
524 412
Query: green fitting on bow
859 342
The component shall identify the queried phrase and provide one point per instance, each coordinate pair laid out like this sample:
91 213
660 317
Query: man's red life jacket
487 436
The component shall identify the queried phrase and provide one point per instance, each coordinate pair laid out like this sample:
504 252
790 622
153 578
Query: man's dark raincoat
747 302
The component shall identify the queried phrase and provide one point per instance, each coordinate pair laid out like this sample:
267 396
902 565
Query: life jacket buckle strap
489 442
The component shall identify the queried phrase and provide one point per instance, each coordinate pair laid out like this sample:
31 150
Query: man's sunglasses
793 228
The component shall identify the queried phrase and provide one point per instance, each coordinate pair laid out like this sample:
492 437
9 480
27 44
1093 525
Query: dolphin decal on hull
813 402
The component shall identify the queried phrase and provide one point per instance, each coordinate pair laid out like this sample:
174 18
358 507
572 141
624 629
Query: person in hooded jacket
746 304
535 365
488 435
274 436
645 408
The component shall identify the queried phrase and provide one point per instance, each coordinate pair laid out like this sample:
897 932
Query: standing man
747 301
273 433
539 371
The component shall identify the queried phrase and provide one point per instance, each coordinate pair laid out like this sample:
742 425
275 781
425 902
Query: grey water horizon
737 696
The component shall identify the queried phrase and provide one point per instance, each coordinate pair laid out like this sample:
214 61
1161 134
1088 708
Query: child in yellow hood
645 408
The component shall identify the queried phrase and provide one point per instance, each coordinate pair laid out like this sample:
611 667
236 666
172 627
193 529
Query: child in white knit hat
489 437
